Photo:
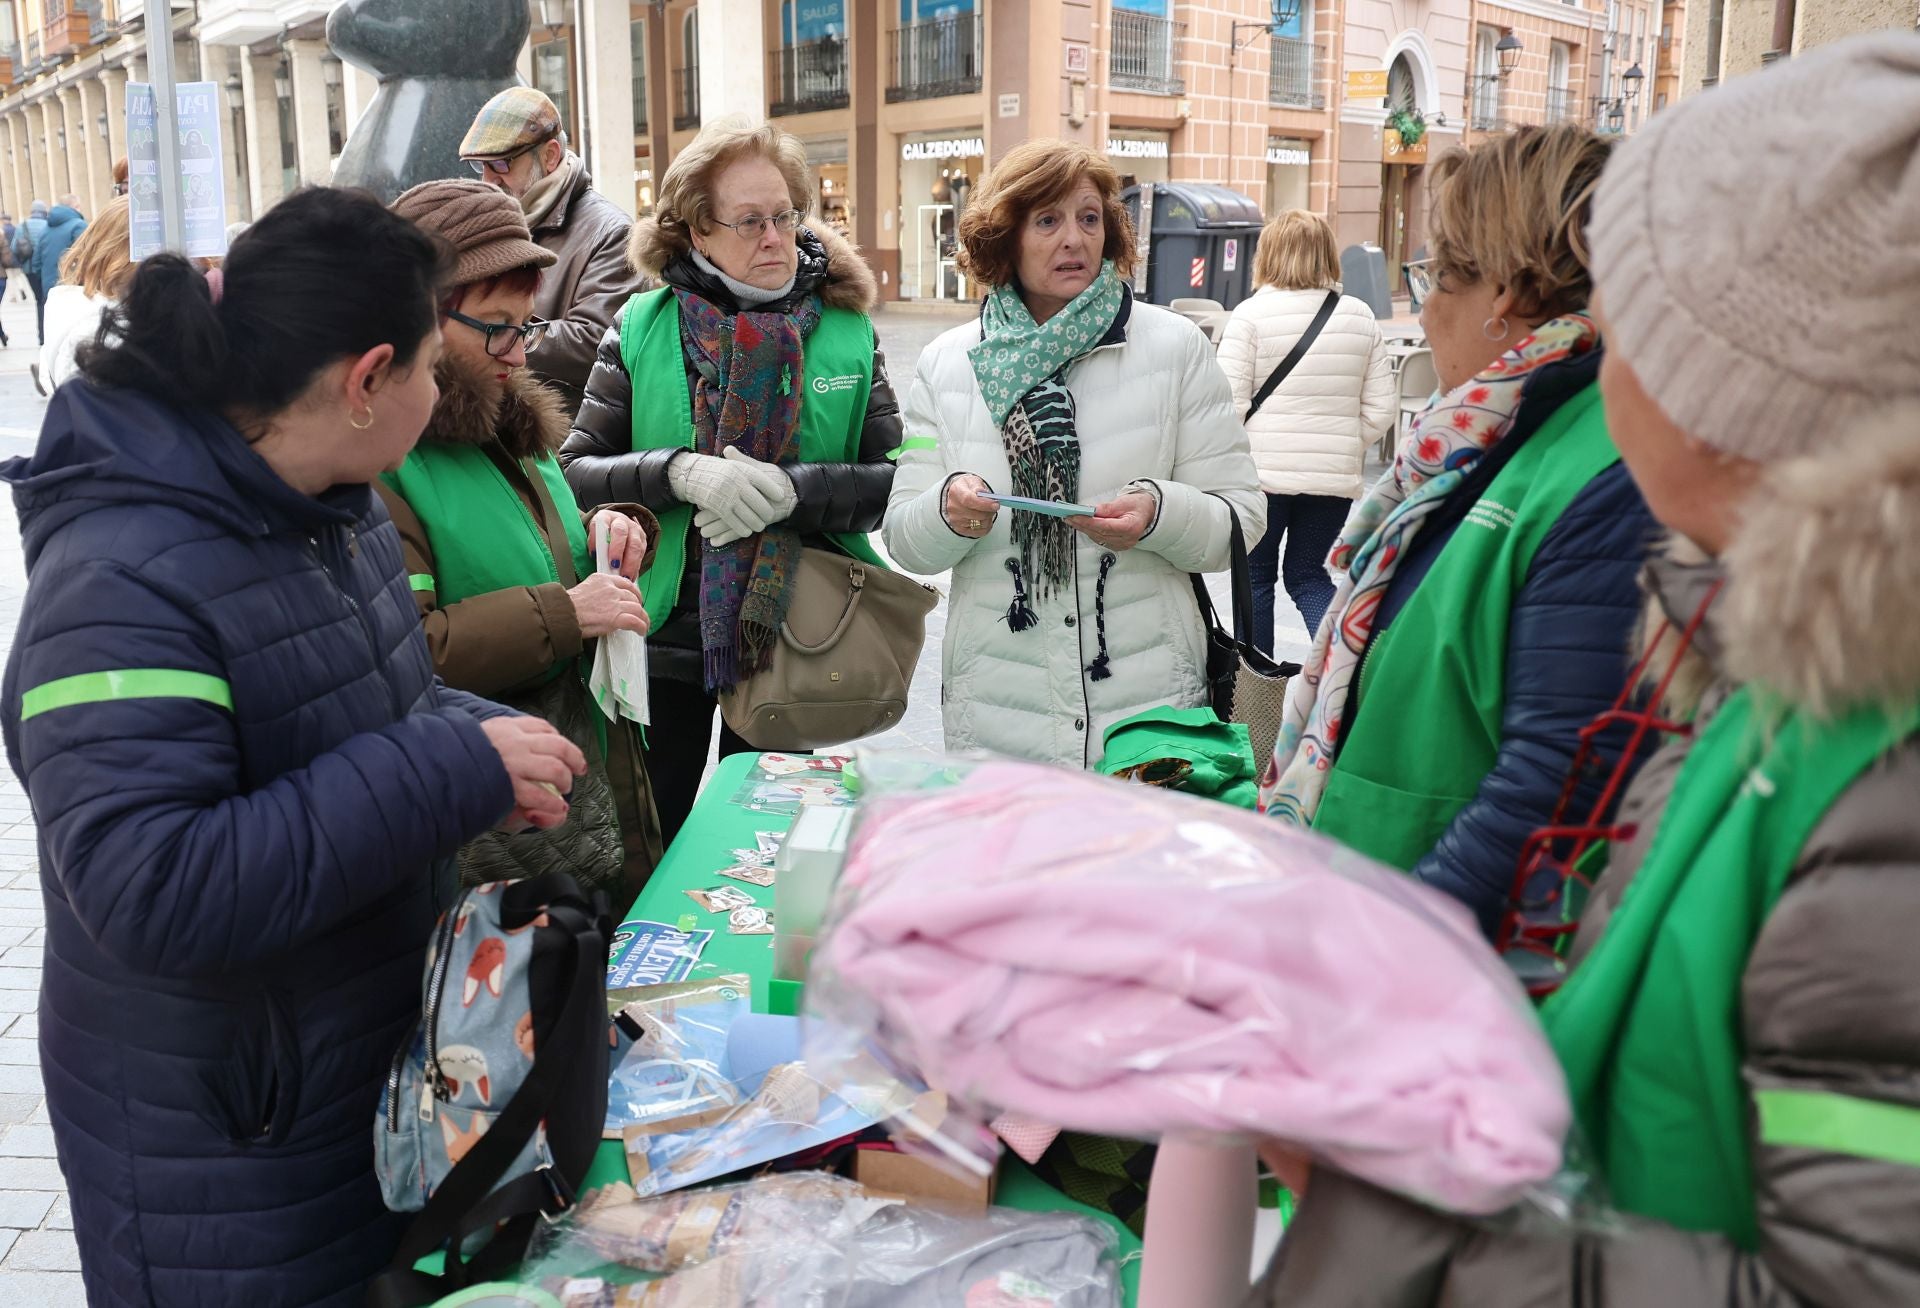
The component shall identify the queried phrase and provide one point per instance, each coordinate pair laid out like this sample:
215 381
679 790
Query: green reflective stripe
128 683
913 443
420 580
1841 1124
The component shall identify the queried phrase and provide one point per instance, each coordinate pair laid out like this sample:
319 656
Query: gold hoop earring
1486 330
354 422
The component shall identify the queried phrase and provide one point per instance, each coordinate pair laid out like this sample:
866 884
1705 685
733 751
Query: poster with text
201 180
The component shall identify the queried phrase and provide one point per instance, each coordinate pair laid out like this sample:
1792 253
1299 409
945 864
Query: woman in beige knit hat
500 556
1739 1029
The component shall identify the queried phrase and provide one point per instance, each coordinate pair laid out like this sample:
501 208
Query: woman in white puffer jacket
1310 437
1066 390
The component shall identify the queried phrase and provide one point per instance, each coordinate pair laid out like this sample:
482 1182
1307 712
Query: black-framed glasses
501 335
753 226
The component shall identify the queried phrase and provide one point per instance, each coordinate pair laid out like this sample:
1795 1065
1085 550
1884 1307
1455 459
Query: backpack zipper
433 1084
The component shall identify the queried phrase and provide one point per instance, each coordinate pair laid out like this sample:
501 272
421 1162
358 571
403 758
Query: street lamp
554 14
1616 116
100 121
61 132
1630 82
283 81
334 72
1508 52
236 93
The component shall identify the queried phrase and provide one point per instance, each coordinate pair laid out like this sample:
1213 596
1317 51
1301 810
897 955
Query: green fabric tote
1648 1026
1434 682
1189 750
839 377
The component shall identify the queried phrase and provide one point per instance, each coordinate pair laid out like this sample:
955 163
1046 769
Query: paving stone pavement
39 1264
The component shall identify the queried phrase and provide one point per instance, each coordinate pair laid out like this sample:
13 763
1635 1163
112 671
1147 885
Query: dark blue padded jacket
247 784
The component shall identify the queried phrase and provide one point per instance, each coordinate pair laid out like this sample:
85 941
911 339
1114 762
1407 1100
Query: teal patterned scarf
1020 366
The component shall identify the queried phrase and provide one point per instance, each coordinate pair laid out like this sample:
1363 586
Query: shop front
827 157
938 171
1140 155
1289 172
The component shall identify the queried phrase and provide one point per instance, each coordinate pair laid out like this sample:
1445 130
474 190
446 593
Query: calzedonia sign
1133 147
968 147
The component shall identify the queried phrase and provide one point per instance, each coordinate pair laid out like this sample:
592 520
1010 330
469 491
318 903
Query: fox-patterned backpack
494 1107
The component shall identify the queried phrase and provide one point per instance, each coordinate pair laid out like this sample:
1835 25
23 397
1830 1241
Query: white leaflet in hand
619 679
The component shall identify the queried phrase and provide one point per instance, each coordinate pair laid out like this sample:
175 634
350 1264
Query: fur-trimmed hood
529 419
1821 602
849 283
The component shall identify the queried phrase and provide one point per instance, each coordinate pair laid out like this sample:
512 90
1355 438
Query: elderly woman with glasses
746 402
500 557
1486 583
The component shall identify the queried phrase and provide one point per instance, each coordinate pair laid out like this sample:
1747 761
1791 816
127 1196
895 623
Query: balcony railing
1144 52
33 52
686 98
1483 103
1291 72
930 59
808 77
97 24
1559 104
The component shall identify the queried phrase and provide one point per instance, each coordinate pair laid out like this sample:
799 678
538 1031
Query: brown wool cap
485 226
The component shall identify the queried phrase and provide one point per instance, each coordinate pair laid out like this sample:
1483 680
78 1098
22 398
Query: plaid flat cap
510 122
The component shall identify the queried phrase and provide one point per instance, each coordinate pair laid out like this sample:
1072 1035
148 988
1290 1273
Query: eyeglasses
1560 861
753 226
1422 278
502 335
504 164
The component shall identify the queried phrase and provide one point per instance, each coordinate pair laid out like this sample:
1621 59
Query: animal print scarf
1020 366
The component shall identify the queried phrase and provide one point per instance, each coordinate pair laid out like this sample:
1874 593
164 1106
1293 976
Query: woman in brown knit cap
500 556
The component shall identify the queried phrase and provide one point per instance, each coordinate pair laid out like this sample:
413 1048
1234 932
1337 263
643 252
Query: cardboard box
920 1180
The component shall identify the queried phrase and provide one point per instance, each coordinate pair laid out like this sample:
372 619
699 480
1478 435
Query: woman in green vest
1741 1030
498 552
747 404
1486 587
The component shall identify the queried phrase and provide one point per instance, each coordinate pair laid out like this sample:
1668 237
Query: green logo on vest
828 385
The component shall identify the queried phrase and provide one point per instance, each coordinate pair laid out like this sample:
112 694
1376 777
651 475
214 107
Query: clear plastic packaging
1126 961
814 1240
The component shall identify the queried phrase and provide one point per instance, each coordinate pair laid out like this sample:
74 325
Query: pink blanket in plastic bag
1124 961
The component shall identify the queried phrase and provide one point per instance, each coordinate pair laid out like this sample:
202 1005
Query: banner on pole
201 181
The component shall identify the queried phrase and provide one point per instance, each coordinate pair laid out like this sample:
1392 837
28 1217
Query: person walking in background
746 402
1738 1030
1065 389
93 276
516 143
248 784
9 267
26 248
1487 583
63 227
1311 432
500 557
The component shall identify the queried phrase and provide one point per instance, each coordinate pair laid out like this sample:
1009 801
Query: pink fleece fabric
1119 960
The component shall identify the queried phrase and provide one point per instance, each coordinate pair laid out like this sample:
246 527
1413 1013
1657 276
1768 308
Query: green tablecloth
713 830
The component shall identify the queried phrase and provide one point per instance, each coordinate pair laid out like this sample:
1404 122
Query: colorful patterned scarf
746 396
1447 440
1020 366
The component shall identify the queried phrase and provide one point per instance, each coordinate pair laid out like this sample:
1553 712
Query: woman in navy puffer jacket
247 781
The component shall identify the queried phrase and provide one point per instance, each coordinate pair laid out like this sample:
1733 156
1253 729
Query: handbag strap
466 1200
1297 353
1241 580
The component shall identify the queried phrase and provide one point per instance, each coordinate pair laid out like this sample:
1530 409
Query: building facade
1725 38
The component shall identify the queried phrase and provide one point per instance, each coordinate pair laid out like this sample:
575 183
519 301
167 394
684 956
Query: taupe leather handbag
844 662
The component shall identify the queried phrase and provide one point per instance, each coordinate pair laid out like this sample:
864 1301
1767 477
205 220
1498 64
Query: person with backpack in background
25 246
8 266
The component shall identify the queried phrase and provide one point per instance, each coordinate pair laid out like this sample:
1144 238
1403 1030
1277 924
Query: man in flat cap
516 143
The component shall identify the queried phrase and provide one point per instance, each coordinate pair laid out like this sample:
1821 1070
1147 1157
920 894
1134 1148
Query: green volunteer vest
838 377
1648 1026
482 536
1434 682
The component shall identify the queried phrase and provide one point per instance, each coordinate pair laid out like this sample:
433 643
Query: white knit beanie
1757 250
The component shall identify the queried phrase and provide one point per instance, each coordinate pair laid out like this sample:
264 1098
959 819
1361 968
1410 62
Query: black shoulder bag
1297 353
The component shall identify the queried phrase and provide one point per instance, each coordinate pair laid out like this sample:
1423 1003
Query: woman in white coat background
1066 390
1310 436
